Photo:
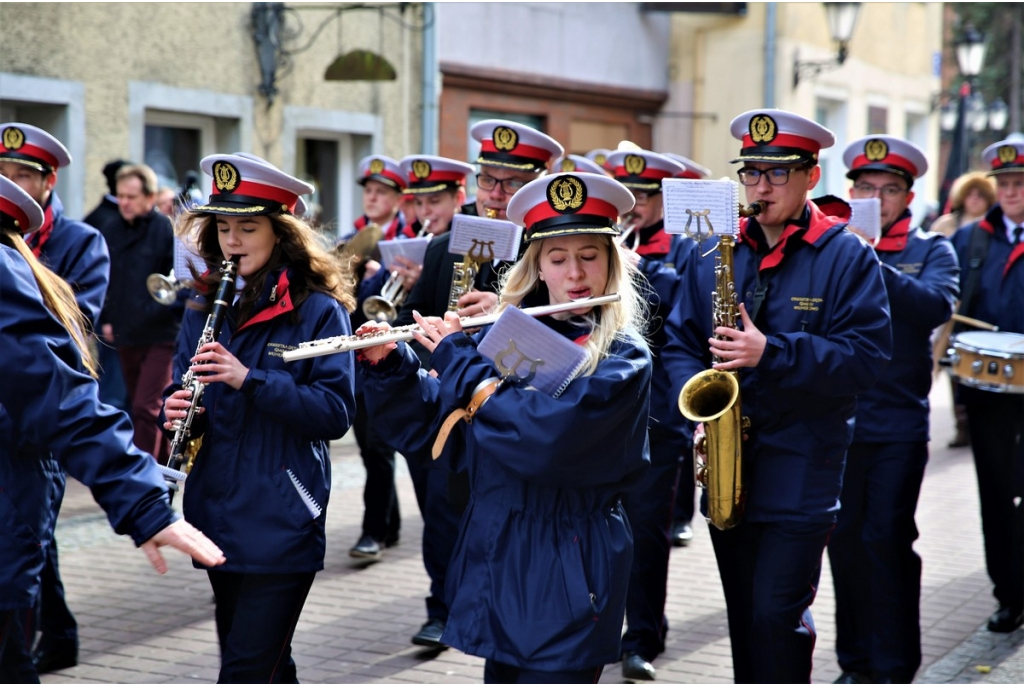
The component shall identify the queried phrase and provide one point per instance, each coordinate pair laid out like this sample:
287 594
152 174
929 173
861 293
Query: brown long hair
58 297
314 268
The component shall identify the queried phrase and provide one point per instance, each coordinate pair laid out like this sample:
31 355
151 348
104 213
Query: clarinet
189 381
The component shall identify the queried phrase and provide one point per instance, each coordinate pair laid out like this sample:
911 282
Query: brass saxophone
464 272
712 397
184 447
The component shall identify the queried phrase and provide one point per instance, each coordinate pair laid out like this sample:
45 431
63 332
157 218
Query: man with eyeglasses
511 155
814 333
876 573
993 249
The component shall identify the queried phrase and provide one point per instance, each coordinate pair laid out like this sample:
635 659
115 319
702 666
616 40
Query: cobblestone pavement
137 626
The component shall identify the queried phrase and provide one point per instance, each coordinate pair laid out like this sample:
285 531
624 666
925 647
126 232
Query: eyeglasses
777 176
509 186
868 190
641 197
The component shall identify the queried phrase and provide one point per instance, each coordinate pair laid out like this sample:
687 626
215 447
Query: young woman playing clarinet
537 582
261 479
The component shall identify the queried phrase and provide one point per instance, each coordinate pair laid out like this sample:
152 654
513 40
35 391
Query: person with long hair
537 582
51 420
261 478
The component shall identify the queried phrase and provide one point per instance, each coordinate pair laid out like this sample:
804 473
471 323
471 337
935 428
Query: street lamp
970 52
842 20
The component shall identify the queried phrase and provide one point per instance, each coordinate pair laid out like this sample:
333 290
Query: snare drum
988 360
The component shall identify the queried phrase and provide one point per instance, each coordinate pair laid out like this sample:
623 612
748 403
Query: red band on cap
519 150
999 164
648 172
890 159
387 173
264 192
16 212
592 206
439 176
786 140
39 153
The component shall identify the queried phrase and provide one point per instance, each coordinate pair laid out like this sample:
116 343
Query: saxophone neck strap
482 394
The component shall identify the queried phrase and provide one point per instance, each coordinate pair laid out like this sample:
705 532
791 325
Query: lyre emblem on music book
696 233
481 250
512 372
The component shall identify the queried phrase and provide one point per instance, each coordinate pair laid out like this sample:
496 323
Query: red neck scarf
39 238
895 238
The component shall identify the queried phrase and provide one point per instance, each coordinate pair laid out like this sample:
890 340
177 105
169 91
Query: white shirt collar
1010 228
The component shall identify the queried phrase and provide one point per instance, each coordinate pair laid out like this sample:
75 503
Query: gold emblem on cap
601 159
14 138
376 166
505 139
763 129
568 165
566 194
226 177
876 150
421 168
1006 153
635 165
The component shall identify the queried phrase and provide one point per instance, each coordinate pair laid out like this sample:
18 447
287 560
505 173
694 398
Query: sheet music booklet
866 217
413 249
485 239
701 208
524 349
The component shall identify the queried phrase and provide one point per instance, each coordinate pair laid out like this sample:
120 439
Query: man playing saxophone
815 332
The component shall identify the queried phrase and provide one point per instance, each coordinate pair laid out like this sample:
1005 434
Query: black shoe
849 677
635 667
682 534
1006 620
430 634
55 658
391 541
366 548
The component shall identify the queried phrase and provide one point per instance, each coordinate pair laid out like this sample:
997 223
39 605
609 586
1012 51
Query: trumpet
464 272
165 289
384 307
349 343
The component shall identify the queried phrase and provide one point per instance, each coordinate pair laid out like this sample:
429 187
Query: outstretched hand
183 536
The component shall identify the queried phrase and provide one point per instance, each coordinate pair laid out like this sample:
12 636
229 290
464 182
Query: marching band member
993 249
650 505
261 479
815 333
51 419
383 186
537 583
511 155
682 512
579 164
876 573
438 186
76 252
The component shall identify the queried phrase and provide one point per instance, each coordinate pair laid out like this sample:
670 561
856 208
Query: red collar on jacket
810 228
654 241
389 232
279 302
895 238
39 238
994 217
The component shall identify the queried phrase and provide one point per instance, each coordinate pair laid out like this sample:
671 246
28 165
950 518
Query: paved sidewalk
137 626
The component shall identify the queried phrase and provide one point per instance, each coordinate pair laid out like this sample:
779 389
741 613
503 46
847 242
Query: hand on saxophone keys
477 303
740 348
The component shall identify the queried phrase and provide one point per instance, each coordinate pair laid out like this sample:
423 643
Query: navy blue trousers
496 672
55 620
440 525
15 648
256 616
685 490
649 510
381 518
770 574
876 573
997 440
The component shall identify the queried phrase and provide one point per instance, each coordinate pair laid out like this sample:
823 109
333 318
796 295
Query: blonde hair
611 322
314 268
59 298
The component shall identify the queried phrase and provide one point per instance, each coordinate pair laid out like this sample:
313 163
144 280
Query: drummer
992 251
877 574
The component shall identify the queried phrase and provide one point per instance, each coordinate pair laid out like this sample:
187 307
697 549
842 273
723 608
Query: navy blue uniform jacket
540 568
239 492
921 276
826 318
1002 274
51 419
